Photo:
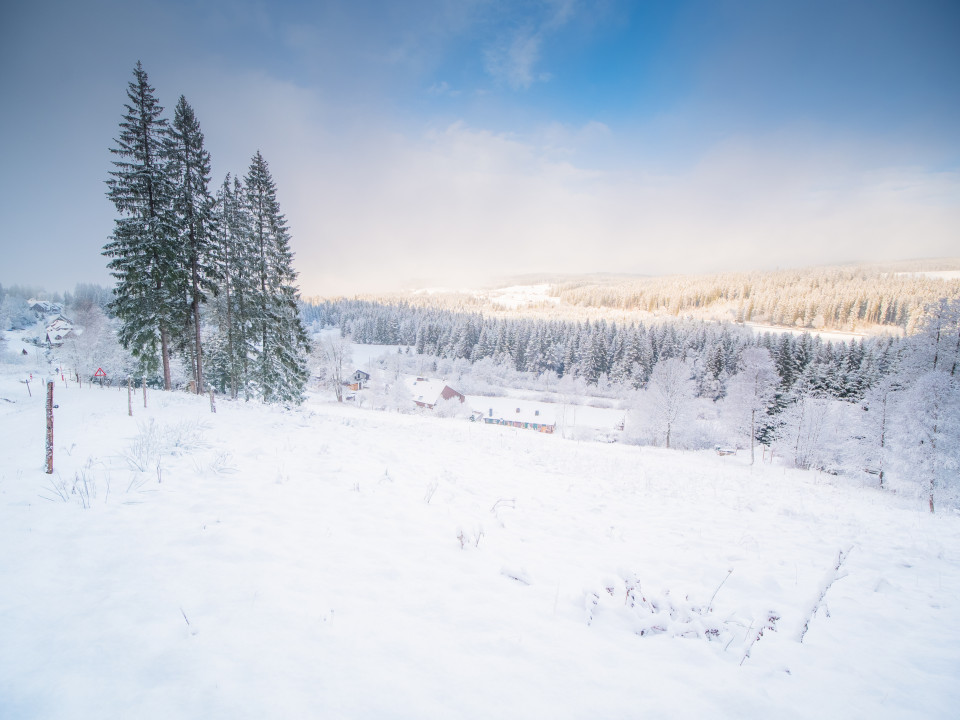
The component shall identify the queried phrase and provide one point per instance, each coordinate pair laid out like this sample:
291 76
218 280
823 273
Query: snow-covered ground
332 561
936 274
522 296
831 335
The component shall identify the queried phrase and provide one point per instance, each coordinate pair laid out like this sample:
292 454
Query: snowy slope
336 562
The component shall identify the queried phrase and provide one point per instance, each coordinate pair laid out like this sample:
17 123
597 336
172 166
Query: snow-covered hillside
332 561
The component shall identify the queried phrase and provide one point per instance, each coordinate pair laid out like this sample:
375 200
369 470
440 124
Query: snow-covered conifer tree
193 207
280 370
232 346
144 246
875 429
751 392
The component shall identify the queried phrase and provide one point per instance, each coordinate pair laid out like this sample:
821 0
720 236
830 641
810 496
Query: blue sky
446 141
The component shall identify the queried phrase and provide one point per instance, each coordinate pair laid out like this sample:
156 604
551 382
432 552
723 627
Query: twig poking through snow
829 579
193 630
712 597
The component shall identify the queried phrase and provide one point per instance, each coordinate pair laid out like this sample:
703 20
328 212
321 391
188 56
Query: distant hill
852 298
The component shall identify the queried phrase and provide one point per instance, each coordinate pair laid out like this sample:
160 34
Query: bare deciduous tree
671 393
331 358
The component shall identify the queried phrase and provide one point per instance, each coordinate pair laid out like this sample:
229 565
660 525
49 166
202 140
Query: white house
58 330
515 413
427 393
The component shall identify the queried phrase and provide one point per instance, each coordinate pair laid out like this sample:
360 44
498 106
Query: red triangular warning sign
99 373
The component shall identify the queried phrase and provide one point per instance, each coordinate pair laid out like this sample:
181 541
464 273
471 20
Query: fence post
129 396
213 404
50 428
144 381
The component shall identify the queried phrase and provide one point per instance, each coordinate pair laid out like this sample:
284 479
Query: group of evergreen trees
205 277
610 353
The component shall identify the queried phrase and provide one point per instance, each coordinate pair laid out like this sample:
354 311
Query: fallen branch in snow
828 580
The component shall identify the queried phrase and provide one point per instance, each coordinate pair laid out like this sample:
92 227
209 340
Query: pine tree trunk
165 355
232 364
196 324
243 371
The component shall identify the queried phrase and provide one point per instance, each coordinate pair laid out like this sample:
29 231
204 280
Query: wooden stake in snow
213 404
144 382
50 428
129 396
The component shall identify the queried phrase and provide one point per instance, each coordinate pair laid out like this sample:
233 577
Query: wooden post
50 428
144 381
129 396
213 404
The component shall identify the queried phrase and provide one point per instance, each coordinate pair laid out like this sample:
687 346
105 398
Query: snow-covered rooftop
514 410
426 390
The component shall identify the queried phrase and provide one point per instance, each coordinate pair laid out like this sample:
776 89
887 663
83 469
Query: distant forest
605 353
869 299
837 298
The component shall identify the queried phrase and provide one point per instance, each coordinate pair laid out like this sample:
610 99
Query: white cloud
512 61
372 207
513 57
442 88
459 203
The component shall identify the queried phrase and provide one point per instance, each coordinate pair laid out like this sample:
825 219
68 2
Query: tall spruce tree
232 344
144 246
193 207
280 370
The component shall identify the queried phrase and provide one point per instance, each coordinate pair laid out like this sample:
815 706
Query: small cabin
358 380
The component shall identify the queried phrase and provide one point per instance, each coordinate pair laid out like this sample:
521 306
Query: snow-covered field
831 335
337 562
937 274
522 296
